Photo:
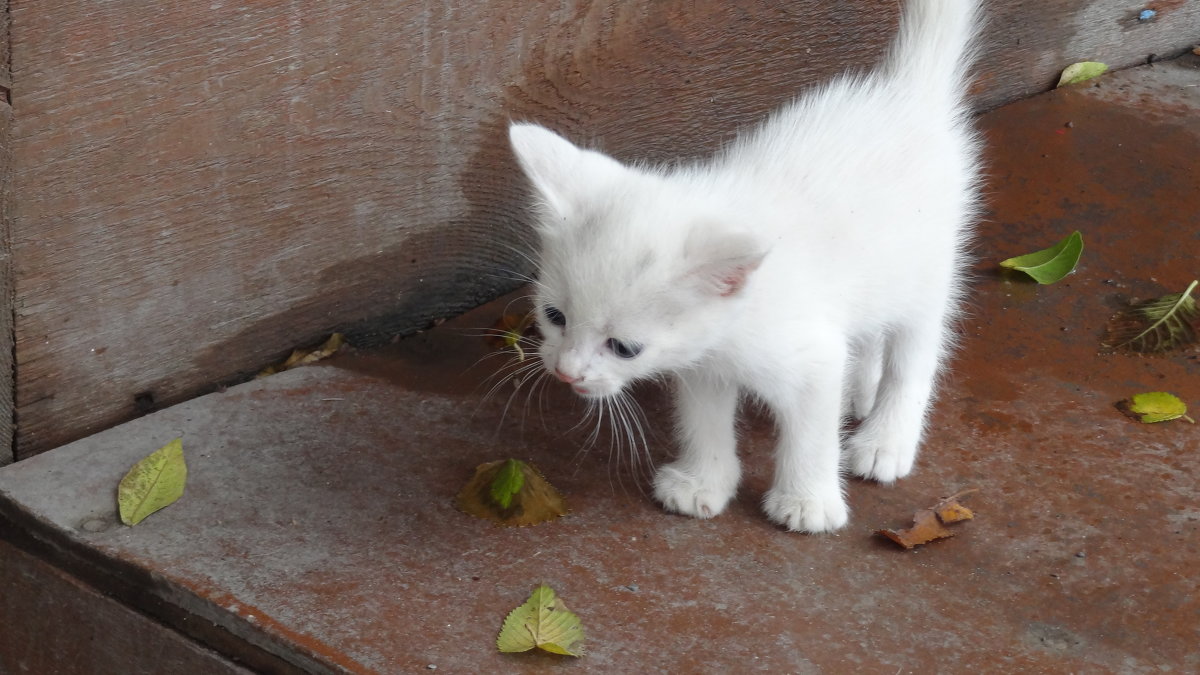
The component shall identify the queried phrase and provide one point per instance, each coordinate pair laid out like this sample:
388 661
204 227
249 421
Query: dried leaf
930 524
1052 264
543 622
153 483
952 512
532 501
1167 323
301 357
1079 72
926 528
1155 406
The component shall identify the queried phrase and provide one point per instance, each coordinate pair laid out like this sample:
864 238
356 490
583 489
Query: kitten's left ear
723 264
558 169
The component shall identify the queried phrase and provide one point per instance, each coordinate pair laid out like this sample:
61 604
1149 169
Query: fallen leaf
1052 264
1079 72
153 483
512 493
952 512
930 524
543 622
1163 324
509 331
300 357
1155 406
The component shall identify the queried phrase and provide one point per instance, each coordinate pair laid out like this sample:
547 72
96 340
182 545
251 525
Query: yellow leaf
153 483
543 622
1157 406
1079 72
301 357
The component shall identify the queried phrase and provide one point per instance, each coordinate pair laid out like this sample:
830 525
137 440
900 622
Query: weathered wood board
7 385
55 624
203 186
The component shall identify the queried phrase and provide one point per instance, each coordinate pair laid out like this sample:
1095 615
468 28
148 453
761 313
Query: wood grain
7 385
204 186
53 623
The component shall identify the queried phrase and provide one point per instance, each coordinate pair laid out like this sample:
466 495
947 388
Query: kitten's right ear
557 168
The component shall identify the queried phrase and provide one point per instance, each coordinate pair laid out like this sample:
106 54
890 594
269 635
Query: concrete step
318 532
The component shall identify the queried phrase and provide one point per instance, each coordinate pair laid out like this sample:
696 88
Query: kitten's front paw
681 492
806 513
881 460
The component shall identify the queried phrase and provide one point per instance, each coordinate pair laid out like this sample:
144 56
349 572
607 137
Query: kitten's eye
625 350
555 317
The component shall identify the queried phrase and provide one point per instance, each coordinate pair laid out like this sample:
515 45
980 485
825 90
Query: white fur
815 264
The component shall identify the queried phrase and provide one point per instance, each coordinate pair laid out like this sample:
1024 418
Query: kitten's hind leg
885 446
704 478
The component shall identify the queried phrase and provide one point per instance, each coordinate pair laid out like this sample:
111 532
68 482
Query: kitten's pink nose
565 377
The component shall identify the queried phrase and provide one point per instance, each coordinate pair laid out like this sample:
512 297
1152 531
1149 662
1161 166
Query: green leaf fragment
1052 264
1079 72
508 482
543 622
1158 406
152 484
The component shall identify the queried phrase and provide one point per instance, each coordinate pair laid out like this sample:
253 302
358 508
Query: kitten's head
639 272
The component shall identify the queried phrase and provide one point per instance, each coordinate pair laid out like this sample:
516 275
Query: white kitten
820 253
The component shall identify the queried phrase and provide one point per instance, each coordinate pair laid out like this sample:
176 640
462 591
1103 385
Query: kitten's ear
559 170
723 264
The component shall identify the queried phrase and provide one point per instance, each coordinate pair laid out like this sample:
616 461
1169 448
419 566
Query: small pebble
1069 125
1081 554
431 667
633 588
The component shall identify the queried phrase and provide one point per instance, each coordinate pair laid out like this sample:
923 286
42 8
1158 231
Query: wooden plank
205 185
53 623
6 288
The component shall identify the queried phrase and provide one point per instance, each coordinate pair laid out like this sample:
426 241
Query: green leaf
543 622
507 483
1052 264
1160 325
1078 72
153 483
1158 406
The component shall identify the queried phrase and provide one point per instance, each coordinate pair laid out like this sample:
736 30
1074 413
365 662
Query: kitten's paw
805 513
681 492
883 461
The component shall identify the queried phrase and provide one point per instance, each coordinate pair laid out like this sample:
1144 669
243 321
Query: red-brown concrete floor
318 530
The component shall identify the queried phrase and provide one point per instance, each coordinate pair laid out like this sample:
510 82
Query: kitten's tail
934 48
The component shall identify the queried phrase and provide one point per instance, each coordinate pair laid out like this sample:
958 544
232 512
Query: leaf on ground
930 524
512 493
1155 406
1160 325
152 484
508 482
1079 72
543 622
301 357
510 331
1052 264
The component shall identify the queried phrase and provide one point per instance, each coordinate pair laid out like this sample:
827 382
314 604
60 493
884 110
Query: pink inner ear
733 280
